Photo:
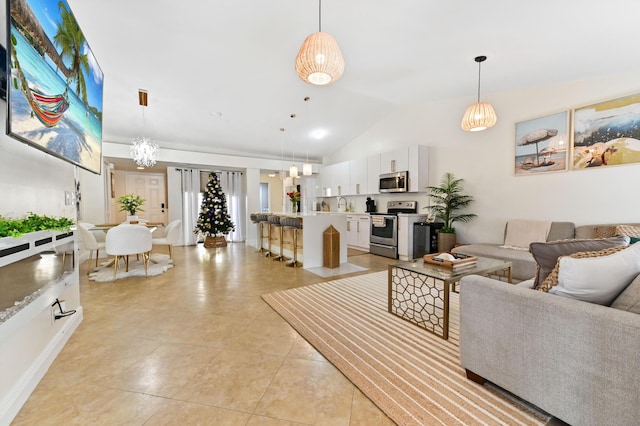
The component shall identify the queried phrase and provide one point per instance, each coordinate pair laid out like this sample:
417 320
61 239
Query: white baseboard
13 402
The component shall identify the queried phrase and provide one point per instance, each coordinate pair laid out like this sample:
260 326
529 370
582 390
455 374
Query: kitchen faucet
345 203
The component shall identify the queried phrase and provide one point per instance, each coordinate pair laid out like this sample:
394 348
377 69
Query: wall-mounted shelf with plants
21 238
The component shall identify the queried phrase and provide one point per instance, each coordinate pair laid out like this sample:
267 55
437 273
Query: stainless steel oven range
383 239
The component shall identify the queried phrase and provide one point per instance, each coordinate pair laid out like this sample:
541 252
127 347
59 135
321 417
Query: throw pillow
552 278
598 277
546 254
605 231
633 232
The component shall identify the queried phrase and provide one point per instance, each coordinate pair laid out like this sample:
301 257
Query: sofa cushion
521 233
629 299
596 277
546 254
522 264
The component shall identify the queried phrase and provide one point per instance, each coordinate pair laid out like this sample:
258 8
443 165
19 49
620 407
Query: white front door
151 187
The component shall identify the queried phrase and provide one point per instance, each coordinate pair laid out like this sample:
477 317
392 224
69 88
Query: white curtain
190 187
234 188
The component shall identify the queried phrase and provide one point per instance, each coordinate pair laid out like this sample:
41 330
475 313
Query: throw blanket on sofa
521 233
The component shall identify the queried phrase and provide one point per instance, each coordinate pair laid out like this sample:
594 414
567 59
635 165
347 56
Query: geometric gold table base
419 299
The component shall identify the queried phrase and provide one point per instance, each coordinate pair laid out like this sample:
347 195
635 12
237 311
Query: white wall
32 181
485 160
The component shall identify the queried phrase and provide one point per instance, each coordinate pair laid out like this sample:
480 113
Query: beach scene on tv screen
55 83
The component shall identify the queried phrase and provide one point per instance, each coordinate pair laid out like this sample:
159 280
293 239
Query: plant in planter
132 204
33 223
446 202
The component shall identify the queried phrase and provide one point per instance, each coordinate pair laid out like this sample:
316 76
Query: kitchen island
313 226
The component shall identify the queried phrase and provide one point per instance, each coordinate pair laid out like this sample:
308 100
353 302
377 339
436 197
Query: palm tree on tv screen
70 40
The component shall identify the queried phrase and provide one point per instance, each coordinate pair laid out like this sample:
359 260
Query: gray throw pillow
546 254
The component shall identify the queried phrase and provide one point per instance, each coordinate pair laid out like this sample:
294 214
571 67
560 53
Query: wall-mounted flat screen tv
55 83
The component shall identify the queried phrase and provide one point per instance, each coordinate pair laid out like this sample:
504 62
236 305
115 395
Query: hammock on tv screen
48 109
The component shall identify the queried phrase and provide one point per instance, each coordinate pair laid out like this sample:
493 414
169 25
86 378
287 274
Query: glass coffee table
419 291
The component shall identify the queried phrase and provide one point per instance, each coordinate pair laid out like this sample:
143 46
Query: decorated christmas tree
213 219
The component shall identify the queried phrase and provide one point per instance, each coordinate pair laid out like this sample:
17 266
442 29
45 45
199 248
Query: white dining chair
125 240
98 233
89 242
170 237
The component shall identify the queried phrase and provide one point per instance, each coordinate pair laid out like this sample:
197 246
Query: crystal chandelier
143 151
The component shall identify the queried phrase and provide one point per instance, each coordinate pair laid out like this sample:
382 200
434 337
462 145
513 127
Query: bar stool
288 233
275 235
263 225
297 242
255 219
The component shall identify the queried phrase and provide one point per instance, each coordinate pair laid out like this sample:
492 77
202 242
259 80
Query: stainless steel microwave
394 182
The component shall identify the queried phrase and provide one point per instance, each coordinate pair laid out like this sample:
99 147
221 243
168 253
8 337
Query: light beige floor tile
164 371
268 421
233 379
201 336
304 350
311 392
174 413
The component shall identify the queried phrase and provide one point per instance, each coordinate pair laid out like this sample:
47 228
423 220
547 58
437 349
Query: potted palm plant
132 204
446 202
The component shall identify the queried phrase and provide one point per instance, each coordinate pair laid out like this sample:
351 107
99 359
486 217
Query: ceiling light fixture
143 151
307 168
283 173
481 115
293 169
319 61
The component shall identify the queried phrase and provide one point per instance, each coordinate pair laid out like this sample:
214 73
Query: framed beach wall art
55 84
607 133
541 144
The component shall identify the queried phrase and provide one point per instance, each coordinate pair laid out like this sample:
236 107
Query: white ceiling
235 57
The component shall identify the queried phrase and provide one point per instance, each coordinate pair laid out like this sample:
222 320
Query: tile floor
197 345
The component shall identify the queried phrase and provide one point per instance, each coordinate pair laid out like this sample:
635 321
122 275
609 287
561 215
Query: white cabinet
335 179
342 178
373 173
358 179
364 230
394 161
361 176
352 231
358 231
418 156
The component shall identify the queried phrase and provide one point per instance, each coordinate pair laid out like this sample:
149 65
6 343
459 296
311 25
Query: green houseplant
33 223
447 200
131 203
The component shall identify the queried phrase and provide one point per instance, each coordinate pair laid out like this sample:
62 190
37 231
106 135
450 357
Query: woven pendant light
481 115
319 61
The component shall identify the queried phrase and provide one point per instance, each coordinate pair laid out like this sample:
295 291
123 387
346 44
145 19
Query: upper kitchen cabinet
373 173
394 161
358 178
418 156
361 176
335 179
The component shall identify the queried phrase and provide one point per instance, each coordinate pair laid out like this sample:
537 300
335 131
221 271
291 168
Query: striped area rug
412 375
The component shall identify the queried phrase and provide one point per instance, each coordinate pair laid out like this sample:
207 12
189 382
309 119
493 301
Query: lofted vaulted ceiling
220 73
